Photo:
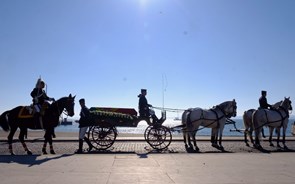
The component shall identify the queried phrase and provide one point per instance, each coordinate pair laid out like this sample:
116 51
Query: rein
169 109
59 111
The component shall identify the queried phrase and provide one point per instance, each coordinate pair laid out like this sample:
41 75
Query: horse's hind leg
270 136
189 140
22 140
10 139
185 138
245 137
195 142
251 135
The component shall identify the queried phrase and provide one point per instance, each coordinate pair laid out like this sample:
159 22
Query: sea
229 129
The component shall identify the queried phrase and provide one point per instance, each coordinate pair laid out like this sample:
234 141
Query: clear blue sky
107 50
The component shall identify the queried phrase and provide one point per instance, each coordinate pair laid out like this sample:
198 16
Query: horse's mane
224 104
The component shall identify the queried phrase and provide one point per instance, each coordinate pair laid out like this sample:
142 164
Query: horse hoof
12 153
197 149
29 152
221 148
256 146
271 144
215 146
52 152
286 147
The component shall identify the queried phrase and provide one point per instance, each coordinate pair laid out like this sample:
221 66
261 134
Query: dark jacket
40 95
263 103
84 117
143 106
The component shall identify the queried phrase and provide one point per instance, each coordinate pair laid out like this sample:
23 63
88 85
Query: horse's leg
214 137
45 143
21 137
189 135
10 139
49 138
284 137
278 131
245 137
247 126
185 137
270 136
195 142
246 132
257 141
251 135
220 138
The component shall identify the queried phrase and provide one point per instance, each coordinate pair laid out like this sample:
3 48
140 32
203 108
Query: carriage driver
263 101
39 97
144 107
83 125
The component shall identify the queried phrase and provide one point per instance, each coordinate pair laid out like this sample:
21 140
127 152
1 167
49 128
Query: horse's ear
74 97
234 100
70 96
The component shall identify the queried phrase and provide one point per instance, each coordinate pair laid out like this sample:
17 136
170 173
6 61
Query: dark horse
13 119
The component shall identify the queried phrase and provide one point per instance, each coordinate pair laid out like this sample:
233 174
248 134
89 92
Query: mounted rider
39 100
263 101
144 108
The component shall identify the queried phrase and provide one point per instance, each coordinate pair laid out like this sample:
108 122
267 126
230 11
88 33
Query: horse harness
189 122
279 112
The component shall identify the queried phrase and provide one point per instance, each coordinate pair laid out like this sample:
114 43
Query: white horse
247 119
213 118
274 119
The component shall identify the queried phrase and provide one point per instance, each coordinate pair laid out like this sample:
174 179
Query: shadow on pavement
30 160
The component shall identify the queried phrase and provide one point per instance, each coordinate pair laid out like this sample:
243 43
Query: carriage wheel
102 138
146 132
158 137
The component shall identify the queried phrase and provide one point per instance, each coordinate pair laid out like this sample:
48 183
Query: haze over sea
170 122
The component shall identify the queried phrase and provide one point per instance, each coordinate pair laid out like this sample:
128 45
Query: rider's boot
80 150
89 144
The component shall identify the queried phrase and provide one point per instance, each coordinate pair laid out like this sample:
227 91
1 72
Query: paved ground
134 161
142 147
225 168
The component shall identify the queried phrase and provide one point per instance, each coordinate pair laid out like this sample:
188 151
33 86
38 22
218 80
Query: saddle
29 111
26 112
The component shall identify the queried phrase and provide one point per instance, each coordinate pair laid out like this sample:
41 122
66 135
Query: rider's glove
52 99
36 100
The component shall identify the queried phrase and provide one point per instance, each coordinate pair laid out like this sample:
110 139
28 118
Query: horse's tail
254 120
4 121
245 120
184 118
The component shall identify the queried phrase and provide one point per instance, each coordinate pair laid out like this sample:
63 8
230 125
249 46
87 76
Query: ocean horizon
229 129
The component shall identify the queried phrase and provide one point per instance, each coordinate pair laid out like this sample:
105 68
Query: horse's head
68 104
286 104
229 108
